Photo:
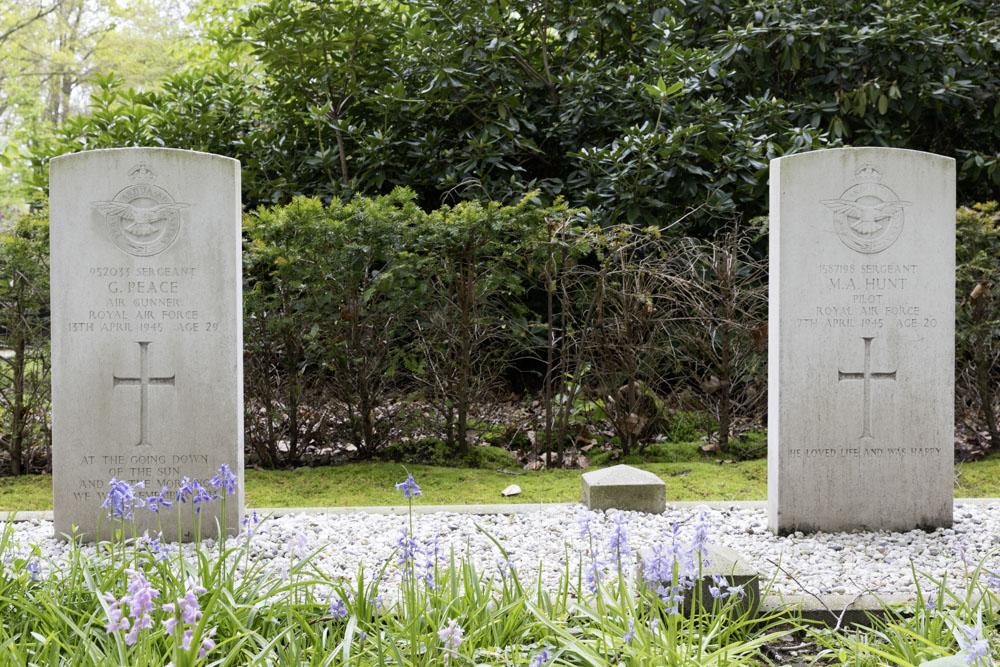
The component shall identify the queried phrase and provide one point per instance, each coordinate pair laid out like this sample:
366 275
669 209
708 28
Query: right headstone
861 341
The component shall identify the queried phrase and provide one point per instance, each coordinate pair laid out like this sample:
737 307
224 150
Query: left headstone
147 335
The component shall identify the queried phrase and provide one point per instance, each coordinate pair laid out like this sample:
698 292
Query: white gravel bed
548 542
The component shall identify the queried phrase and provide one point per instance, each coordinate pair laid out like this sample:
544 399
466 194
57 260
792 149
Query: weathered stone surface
511 490
861 351
147 376
625 488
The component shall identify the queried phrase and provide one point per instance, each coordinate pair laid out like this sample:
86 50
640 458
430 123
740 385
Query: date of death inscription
142 300
866 296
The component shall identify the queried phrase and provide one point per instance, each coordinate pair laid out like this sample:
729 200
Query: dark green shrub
977 330
25 392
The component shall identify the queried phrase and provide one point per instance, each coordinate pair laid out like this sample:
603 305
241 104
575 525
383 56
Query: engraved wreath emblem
143 219
868 217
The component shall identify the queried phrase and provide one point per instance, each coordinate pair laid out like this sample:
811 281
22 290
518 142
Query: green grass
360 484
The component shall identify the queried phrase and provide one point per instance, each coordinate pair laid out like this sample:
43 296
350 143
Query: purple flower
139 599
716 590
407 552
432 556
250 523
338 609
199 494
409 488
630 635
34 569
451 635
618 539
160 551
592 571
156 502
540 658
973 644
301 546
140 594
583 524
116 619
207 643
121 501
186 490
187 606
224 479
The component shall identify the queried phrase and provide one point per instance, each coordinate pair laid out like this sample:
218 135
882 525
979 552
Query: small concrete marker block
511 490
623 487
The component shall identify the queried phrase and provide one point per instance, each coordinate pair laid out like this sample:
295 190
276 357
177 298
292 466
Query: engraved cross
867 375
144 380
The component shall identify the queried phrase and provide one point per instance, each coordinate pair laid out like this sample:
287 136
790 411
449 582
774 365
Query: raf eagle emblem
140 222
868 216
866 219
143 219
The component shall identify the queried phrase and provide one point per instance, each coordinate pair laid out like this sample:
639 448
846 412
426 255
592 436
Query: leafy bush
24 340
644 111
977 330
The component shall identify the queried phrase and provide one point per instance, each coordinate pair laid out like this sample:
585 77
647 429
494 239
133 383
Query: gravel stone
539 543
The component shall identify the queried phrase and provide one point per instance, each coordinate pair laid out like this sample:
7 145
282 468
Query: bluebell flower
224 479
338 609
140 598
250 523
540 658
630 635
618 539
34 569
583 524
592 571
715 590
700 535
973 644
408 550
452 635
121 500
116 617
185 490
409 488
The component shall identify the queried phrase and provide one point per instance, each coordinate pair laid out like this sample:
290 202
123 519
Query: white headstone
147 337
861 351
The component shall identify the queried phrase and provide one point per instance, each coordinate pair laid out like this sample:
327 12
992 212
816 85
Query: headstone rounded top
862 153
621 475
133 150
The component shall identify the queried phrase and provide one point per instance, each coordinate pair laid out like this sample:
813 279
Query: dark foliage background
643 112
